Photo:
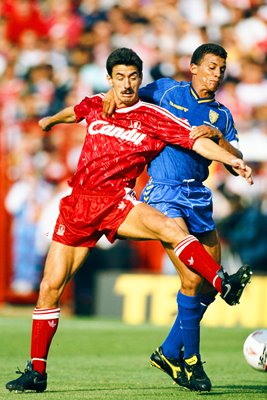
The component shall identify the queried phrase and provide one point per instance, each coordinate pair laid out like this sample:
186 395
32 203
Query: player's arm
216 135
212 151
109 104
232 149
67 116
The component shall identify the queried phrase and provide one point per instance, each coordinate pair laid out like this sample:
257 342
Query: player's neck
202 92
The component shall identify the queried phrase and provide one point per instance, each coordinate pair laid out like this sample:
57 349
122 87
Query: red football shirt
117 149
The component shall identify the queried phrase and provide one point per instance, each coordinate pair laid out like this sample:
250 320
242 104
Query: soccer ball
255 349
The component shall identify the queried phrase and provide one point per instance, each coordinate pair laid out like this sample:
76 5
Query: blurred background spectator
53 53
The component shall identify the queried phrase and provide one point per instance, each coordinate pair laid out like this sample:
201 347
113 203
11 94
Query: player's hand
109 104
205 131
242 169
45 124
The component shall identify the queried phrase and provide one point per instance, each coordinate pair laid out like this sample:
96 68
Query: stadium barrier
140 298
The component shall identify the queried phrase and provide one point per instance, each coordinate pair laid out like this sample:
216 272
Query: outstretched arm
67 116
216 134
210 150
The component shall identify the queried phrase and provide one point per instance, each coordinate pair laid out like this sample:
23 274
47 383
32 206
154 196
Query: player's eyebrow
123 74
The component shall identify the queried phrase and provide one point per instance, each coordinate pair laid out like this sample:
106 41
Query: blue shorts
189 200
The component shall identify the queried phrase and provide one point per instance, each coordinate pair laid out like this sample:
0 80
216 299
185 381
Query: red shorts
84 218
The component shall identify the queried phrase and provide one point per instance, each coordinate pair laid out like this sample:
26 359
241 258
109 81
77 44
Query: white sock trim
214 280
39 359
184 243
46 313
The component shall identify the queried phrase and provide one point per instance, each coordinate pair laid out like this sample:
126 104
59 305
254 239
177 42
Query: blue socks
186 328
189 311
173 343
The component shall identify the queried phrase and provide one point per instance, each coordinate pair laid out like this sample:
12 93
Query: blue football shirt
174 162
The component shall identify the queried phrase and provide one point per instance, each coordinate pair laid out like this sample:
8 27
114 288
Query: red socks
44 326
192 253
45 320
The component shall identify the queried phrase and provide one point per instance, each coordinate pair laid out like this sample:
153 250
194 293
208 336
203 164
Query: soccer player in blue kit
176 188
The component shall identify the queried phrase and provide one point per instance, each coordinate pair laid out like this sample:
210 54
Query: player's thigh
62 262
145 222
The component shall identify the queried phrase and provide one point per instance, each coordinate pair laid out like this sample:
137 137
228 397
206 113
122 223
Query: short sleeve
82 109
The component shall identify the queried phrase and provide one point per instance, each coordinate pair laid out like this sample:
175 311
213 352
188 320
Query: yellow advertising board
152 298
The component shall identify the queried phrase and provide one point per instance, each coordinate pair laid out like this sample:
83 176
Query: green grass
106 359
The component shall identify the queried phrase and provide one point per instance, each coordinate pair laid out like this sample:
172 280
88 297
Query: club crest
61 230
213 116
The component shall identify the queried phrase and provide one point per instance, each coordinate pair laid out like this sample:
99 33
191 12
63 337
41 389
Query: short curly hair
124 56
208 48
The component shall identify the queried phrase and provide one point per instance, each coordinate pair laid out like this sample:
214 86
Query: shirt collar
200 99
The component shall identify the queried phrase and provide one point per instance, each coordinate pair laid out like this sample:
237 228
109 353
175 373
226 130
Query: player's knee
49 291
191 283
171 232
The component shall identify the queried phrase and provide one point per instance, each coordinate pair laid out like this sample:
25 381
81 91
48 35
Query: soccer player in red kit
103 202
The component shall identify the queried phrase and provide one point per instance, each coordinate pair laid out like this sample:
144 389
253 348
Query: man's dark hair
124 56
208 48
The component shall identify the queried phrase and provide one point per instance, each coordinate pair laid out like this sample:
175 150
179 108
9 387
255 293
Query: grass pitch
106 359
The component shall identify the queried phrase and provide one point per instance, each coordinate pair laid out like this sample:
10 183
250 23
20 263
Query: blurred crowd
53 53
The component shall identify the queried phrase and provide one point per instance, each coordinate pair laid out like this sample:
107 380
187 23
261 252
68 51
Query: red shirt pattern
116 150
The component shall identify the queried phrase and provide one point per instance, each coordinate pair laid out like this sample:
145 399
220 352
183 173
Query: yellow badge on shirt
213 116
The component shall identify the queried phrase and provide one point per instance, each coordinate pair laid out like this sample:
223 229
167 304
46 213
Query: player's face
125 81
208 75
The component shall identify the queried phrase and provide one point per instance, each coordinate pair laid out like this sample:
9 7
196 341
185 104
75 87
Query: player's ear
193 69
109 79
